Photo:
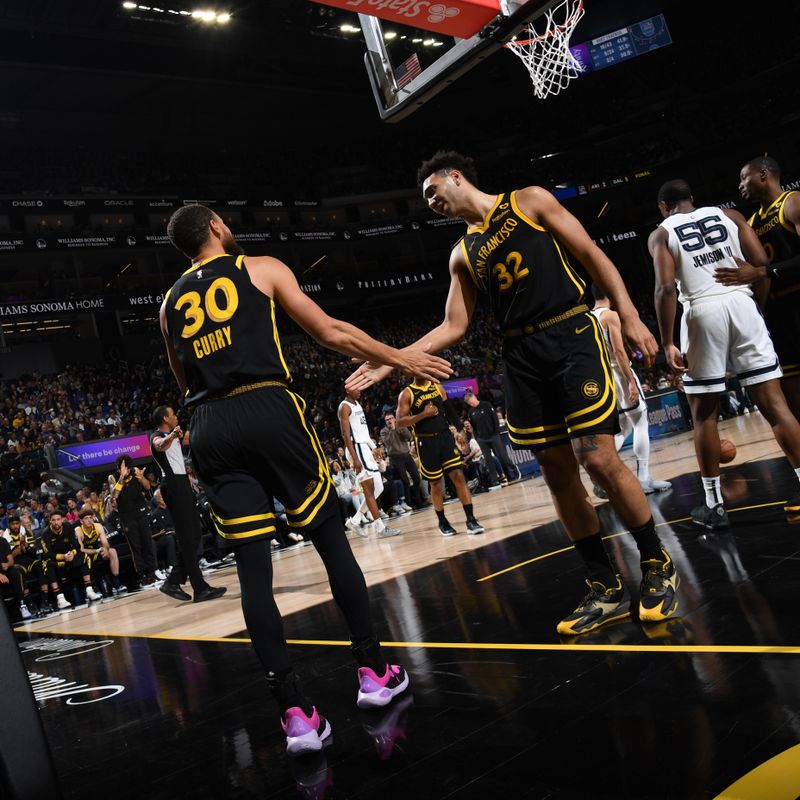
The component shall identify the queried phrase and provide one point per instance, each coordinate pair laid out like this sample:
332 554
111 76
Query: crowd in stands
39 412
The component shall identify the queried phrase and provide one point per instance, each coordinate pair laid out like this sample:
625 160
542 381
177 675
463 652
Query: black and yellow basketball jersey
521 267
420 397
91 540
223 329
778 237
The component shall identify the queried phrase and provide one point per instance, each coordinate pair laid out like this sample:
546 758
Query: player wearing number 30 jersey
252 440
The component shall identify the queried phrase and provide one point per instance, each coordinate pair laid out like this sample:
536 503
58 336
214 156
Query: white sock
643 470
797 472
713 491
379 526
356 518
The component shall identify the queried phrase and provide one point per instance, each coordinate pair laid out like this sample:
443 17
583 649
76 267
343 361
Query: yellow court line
732 649
613 536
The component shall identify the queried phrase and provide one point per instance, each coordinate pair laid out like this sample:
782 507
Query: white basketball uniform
361 443
623 403
722 329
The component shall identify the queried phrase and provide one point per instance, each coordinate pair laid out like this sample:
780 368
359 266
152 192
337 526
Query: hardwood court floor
500 706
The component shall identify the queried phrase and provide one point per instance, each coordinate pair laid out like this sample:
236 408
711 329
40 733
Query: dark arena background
113 115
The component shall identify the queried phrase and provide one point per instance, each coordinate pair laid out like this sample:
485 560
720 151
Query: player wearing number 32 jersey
527 257
252 440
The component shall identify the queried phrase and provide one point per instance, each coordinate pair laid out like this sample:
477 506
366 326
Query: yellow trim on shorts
452 463
241 520
541 440
608 375
431 476
324 475
249 534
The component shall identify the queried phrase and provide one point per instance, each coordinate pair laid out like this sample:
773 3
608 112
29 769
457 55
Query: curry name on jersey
521 267
421 396
223 329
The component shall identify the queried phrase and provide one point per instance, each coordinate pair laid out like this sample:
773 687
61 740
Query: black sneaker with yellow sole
601 605
792 506
659 590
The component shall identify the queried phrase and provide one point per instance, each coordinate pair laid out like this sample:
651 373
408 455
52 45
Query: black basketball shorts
783 322
437 453
559 384
255 446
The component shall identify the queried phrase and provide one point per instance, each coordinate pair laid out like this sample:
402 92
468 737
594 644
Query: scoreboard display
622 44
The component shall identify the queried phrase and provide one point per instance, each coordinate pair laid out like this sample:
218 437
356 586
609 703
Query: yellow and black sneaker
600 606
792 506
658 593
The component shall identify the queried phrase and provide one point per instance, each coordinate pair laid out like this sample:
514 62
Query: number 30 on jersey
196 312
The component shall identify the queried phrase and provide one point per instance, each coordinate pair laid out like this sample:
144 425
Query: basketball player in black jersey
559 386
252 440
420 407
777 225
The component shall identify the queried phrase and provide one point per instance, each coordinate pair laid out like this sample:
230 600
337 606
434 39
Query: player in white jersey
631 404
722 329
359 446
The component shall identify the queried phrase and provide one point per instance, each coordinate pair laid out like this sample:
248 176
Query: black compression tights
261 615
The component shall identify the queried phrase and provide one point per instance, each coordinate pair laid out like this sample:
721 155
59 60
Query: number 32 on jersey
510 271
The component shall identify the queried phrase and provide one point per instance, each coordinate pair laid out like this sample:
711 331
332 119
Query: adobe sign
461 18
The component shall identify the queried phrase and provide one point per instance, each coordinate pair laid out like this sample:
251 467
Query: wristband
118 487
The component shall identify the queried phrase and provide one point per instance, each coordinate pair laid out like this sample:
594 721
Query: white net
544 48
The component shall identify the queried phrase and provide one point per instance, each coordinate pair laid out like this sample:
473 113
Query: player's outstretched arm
275 279
545 210
457 314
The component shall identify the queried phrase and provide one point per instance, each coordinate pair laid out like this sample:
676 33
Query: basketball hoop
545 53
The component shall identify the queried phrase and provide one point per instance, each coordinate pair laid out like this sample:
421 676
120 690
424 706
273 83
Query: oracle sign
462 18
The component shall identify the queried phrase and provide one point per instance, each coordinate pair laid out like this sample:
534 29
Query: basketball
727 451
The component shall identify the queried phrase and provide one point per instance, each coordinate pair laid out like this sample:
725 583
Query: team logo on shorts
310 486
590 389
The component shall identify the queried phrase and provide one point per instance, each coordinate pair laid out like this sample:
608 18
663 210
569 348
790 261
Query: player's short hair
159 414
56 512
765 162
444 161
598 293
123 459
13 518
86 511
187 228
674 191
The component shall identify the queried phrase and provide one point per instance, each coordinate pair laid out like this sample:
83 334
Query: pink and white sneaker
374 691
304 734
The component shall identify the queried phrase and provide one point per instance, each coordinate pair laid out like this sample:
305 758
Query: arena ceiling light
205 15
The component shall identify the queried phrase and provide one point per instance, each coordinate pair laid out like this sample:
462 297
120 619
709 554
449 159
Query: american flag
407 71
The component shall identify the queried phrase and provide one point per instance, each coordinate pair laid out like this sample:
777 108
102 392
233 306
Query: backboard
402 83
